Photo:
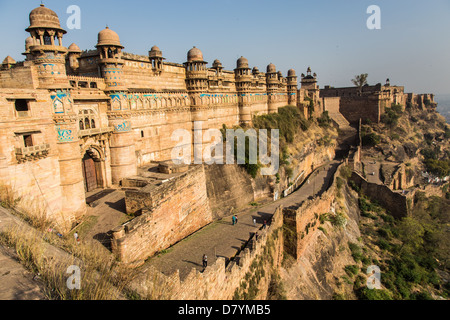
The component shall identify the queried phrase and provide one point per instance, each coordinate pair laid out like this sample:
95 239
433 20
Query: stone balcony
95 131
32 153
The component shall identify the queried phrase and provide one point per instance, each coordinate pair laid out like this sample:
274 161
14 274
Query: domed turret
196 72
255 71
45 48
73 48
44 18
108 37
194 55
156 58
155 52
28 43
291 73
8 62
217 64
271 68
242 62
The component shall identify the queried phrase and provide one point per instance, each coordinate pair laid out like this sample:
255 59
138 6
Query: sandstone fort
74 121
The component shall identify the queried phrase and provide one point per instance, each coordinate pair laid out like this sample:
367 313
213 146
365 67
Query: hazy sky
412 48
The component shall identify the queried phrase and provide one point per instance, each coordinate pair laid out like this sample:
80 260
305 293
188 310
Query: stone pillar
122 148
199 127
71 173
245 116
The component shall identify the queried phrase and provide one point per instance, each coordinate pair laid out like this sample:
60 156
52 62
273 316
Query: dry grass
102 277
31 211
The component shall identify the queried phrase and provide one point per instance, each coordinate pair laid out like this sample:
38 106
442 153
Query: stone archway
93 165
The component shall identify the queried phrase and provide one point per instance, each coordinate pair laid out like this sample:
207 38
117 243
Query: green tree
360 81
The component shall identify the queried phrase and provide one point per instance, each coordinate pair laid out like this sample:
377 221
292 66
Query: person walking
236 219
205 261
254 222
233 219
75 236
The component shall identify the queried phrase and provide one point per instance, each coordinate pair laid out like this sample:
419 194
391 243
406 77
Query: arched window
87 124
47 39
92 124
81 125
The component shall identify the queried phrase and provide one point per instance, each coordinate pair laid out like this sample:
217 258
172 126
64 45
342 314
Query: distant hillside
443 108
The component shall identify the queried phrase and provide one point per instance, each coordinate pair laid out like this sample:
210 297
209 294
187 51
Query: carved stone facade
72 121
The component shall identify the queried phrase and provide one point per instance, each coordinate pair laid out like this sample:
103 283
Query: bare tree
360 81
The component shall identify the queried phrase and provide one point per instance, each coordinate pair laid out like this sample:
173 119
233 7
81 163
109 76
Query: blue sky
412 48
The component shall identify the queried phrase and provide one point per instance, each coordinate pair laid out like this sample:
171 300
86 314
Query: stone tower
197 87
46 53
74 55
46 50
123 153
272 87
292 87
243 78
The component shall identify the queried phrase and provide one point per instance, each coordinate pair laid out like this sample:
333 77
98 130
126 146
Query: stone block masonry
170 211
397 204
220 280
299 223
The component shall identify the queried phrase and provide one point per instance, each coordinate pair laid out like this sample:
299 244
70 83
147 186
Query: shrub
383 244
324 120
355 251
351 270
375 294
370 139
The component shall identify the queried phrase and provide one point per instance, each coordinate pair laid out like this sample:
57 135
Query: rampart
299 223
220 280
397 204
170 211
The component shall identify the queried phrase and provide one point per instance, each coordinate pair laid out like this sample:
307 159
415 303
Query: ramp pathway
222 239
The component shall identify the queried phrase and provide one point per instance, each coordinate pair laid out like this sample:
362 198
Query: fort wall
220 280
170 211
301 222
397 204
364 107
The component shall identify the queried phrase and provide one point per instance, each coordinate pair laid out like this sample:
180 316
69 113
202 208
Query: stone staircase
347 135
339 119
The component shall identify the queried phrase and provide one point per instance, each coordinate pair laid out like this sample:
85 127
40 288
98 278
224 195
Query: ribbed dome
43 17
271 68
108 37
217 63
242 63
194 55
291 73
74 48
